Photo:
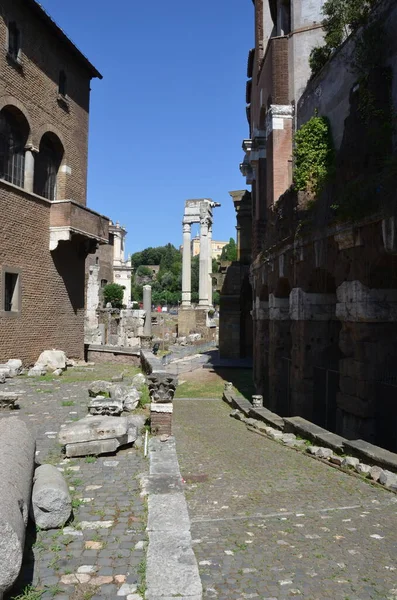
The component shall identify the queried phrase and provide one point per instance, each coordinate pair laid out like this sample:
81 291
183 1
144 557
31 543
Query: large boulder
52 360
17 452
51 501
99 435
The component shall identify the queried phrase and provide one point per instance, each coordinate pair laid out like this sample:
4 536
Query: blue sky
168 119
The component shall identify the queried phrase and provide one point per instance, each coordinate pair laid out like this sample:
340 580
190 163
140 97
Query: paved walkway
269 522
102 552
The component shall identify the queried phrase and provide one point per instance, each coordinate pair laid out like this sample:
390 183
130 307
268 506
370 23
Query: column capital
31 148
187 227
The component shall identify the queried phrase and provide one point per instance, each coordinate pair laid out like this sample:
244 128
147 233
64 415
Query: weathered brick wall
35 87
52 284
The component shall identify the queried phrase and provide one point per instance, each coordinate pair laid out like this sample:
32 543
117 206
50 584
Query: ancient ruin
192 320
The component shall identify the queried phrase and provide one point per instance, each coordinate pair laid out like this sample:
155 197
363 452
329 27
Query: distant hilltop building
216 247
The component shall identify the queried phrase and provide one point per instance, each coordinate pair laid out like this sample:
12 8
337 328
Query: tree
114 293
341 17
143 271
229 252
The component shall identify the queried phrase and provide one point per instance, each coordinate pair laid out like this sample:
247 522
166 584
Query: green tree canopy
113 293
229 252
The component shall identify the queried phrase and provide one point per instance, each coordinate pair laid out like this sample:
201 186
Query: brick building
323 269
46 230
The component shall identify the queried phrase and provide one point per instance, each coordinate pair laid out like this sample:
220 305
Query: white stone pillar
204 255
210 264
29 169
186 267
147 307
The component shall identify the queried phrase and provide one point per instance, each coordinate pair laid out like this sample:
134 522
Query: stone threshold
364 451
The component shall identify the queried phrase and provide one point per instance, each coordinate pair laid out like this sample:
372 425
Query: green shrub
113 293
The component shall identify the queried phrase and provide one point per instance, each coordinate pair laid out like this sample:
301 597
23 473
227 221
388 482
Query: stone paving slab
269 522
104 547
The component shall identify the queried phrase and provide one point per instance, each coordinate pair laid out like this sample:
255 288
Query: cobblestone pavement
101 553
269 522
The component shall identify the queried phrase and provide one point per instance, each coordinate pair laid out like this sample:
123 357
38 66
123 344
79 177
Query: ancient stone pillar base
161 418
186 321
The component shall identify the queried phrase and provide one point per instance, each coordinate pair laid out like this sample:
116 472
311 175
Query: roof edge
45 17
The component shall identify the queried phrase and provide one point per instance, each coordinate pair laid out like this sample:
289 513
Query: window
111 239
47 165
14 40
62 86
13 137
103 283
11 297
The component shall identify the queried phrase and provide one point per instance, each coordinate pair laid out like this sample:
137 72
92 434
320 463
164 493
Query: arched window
47 166
14 132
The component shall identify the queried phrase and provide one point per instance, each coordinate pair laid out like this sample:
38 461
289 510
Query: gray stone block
51 501
372 454
350 461
388 479
8 400
17 451
52 360
316 434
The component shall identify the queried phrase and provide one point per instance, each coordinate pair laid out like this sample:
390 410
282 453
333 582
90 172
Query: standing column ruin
204 257
186 267
147 307
210 264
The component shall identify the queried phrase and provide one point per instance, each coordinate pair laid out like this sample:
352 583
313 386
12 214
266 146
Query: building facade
323 270
46 230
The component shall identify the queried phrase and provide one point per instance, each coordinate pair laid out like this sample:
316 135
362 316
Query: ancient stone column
210 264
29 169
147 307
186 267
17 452
204 257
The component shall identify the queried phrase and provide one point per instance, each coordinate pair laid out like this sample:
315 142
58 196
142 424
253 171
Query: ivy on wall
313 154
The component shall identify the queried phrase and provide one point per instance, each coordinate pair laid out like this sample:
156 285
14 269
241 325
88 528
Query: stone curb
376 459
172 569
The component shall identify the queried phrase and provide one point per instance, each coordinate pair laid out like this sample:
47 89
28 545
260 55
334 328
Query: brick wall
52 284
35 87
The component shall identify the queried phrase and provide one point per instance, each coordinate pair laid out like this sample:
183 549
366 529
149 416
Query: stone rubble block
274 433
388 479
100 388
37 371
363 469
324 453
350 461
336 460
58 372
51 502
52 360
288 438
15 366
100 435
312 450
129 396
5 370
138 381
375 473
105 406
8 400
17 452
2 378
